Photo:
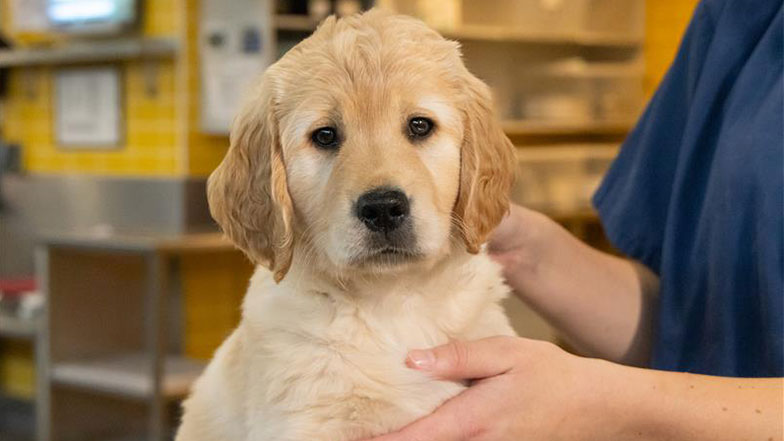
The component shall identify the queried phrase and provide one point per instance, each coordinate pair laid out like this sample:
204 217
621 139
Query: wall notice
88 110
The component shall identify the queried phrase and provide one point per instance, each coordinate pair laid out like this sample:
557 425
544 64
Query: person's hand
514 242
522 390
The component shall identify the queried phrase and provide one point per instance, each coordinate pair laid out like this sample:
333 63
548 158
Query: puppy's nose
382 209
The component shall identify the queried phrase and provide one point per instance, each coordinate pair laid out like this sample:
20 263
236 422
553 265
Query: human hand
515 243
522 390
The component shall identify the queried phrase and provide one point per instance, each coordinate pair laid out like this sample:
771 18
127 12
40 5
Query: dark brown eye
419 127
325 138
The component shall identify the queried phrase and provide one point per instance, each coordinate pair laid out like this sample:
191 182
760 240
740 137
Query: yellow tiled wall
163 136
150 133
665 22
162 18
214 287
153 140
17 371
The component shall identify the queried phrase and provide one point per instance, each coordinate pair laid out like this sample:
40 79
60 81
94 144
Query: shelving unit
111 334
560 179
594 70
18 413
82 52
294 22
304 23
126 375
513 35
557 128
15 327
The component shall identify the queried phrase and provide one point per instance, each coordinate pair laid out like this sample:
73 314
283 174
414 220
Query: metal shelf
589 70
123 343
568 152
525 127
142 243
91 52
295 22
128 375
501 34
303 23
16 327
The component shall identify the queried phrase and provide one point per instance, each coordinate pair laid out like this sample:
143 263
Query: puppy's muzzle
383 210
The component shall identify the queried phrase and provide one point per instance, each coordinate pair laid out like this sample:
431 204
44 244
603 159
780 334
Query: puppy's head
368 146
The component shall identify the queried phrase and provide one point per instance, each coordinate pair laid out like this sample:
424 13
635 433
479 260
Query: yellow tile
157 126
666 20
17 369
211 315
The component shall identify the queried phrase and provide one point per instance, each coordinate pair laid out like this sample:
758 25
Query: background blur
115 286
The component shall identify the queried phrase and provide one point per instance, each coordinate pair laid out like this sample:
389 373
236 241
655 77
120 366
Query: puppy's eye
326 138
419 127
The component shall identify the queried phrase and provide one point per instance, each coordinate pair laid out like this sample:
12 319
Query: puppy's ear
248 194
486 167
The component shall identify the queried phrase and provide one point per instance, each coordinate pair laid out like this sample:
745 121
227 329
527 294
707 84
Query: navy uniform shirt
696 194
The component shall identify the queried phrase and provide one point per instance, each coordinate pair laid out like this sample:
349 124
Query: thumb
466 360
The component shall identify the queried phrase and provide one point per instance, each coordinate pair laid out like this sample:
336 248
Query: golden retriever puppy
363 177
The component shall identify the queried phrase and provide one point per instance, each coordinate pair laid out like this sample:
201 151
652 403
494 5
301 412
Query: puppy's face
373 166
368 147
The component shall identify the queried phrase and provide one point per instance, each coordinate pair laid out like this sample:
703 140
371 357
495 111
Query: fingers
464 360
456 419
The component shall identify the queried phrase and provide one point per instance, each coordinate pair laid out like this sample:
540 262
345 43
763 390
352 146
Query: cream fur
313 362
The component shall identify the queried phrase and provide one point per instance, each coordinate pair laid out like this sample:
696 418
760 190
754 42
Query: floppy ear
248 193
486 167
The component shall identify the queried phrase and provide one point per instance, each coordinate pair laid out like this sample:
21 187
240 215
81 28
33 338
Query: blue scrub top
696 194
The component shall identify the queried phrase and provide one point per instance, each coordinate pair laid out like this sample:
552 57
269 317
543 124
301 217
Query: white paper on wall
236 45
29 15
88 108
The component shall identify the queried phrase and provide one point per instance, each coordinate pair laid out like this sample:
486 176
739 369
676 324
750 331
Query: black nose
382 209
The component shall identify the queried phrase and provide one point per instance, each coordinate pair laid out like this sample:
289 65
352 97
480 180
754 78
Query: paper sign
29 15
88 113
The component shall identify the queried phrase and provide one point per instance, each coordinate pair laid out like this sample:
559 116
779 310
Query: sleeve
634 196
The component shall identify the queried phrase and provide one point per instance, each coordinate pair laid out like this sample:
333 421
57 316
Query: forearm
655 405
602 304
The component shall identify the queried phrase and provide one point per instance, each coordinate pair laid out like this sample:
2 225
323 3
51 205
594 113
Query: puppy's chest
334 369
347 376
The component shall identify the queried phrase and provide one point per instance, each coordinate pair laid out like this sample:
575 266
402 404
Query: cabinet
112 365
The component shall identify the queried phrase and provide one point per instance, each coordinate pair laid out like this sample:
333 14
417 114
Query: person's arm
534 391
602 305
